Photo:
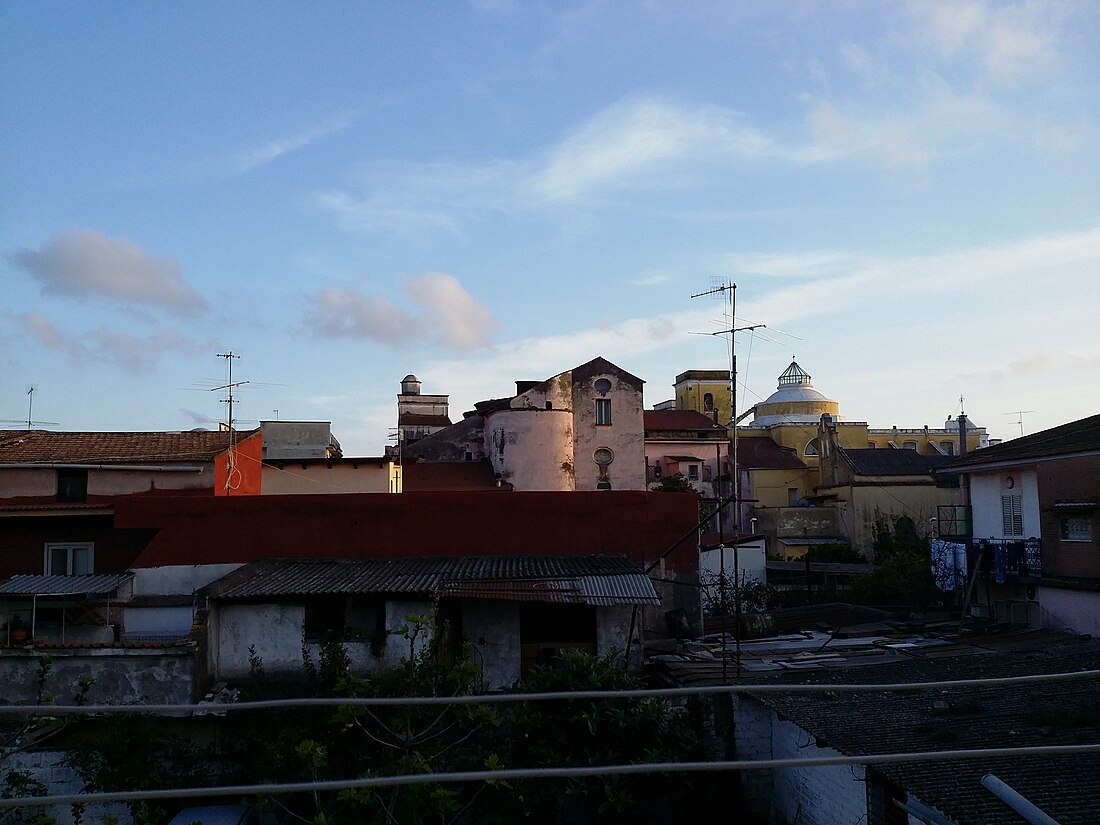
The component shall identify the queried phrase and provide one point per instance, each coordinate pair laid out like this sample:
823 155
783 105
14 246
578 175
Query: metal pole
1016 801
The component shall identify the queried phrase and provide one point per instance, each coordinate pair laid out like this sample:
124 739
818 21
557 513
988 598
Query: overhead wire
512 774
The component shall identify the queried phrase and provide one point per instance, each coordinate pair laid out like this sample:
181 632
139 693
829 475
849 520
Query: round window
602 385
603 456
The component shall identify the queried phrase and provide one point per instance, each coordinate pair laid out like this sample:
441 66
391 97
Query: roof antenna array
229 385
29 420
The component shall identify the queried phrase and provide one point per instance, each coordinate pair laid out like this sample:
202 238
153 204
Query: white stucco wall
1075 610
21 482
296 479
824 795
277 633
625 436
158 620
531 448
43 482
177 579
986 490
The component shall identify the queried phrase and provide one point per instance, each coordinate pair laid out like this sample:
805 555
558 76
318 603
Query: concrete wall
829 795
43 482
50 768
178 579
1076 610
492 627
122 676
370 476
826 795
174 620
276 630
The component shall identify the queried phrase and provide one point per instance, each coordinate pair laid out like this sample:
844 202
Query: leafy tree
601 732
28 733
674 484
903 568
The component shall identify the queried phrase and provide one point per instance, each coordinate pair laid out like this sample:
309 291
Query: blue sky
907 194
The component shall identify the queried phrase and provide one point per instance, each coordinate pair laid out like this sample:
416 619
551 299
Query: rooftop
1077 437
46 447
597 580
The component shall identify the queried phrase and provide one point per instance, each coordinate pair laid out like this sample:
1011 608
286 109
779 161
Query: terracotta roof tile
45 447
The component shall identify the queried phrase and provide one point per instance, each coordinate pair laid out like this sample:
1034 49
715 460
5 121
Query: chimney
962 433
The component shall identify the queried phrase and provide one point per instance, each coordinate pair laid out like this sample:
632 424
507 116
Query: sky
906 194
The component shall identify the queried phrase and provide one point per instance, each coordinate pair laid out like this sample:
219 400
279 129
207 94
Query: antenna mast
230 385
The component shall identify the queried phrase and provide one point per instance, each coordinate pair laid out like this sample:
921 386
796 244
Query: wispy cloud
444 313
265 153
1011 42
130 353
82 263
631 143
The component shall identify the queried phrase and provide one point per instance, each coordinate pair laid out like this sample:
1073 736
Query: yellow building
705 391
784 492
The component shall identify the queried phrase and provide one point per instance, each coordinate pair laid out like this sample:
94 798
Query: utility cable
545 773
555 696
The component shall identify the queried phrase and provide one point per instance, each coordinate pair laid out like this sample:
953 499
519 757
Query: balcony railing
1006 559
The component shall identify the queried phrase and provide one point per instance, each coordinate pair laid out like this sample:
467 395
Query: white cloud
631 142
83 263
1011 42
122 350
448 315
265 153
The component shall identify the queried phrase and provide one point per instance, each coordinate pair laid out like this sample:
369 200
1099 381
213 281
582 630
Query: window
603 412
708 401
72 485
948 447
811 447
1076 529
909 445
1012 515
69 559
693 472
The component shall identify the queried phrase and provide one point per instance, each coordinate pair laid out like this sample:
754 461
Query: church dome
795 401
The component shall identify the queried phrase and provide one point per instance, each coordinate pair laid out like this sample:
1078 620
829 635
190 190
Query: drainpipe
1016 802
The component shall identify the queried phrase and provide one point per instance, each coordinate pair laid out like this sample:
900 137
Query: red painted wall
1070 479
23 542
244 477
640 525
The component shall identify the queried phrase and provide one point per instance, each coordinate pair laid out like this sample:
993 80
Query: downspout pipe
1017 802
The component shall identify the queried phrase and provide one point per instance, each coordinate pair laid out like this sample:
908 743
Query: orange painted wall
244 478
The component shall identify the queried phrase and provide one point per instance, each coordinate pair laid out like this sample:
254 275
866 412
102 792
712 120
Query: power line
546 773
555 696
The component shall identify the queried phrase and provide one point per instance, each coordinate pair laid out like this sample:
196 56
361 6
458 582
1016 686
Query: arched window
811 447
708 401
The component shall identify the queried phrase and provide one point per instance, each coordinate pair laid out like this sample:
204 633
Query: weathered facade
580 430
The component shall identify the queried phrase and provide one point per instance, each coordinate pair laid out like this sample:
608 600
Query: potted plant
19 629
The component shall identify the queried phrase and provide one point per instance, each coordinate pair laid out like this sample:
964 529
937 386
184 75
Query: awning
101 584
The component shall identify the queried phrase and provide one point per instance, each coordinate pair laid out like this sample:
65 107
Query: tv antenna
229 385
1019 417
29 420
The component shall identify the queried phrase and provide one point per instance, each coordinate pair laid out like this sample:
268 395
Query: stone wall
123 676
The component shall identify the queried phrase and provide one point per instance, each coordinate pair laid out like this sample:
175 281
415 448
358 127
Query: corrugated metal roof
578 579
96 584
